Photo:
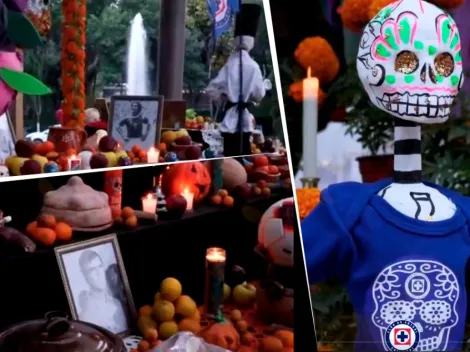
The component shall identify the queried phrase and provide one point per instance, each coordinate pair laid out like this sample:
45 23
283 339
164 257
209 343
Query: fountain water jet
137 60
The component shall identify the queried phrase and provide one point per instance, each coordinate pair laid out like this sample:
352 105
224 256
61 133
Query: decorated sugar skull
276 232
4 171
409 61
423 292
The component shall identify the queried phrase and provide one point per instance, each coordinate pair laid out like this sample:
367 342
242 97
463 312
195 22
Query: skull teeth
417 104
429 344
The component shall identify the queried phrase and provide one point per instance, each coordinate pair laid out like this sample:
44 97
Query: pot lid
56 333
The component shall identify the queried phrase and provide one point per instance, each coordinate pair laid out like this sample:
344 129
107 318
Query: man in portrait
135 127
97 304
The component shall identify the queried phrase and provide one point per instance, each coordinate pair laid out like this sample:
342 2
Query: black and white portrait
136 120
7 138
96 284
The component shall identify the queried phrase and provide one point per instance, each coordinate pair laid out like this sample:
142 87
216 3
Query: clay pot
65 138
375 168
58 334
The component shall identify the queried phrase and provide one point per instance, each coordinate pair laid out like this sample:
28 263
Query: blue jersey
393 267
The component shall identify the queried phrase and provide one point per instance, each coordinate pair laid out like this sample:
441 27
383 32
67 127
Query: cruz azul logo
402 335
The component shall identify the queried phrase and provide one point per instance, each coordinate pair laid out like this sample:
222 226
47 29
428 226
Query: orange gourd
223 335
194 176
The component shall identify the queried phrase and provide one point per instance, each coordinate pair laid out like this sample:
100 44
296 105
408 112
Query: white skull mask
409 61
423 292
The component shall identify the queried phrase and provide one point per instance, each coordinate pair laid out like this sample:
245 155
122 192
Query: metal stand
310 182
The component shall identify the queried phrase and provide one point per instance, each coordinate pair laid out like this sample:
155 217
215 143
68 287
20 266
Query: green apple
227 291
244 295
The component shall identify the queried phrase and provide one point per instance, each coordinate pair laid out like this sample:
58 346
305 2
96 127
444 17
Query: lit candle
189 199
214 284
310 125
153 155
149 203
74 163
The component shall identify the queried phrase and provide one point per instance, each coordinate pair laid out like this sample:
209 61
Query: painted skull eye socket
444 64
406 62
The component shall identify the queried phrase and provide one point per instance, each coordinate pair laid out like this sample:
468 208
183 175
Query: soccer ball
276 232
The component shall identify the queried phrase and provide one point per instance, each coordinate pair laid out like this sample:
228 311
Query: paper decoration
23 82
22 32
410 63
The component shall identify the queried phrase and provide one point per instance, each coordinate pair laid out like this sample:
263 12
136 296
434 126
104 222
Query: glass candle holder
214 281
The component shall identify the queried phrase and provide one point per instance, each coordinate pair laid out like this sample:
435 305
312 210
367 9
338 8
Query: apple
192 153
107 144
243 191
244 295
227 291
176 206
183 140
31 167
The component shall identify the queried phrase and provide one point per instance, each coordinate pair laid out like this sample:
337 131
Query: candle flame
309 72
216 255
152 150
149 196
73 157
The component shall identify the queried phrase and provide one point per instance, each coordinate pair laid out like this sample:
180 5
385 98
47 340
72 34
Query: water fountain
137 60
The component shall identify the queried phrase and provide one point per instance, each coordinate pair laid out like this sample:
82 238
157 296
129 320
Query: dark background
31 283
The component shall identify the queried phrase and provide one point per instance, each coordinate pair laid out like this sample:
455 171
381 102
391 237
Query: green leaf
22 32
23 82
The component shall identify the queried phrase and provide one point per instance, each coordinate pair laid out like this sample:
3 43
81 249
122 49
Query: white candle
149 203
153 155
215 255
310 125
74 163
189 199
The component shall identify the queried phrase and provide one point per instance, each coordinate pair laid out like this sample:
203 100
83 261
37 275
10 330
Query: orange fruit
162 147
49 146
151 334
131 221
142 154
170 289
31 228
261 183
241 326
46 236
154 343
273 170
190 325
136 149
143 346
257 191
131 155
236 315
63 231
223 193
271 344
53 156
286 337
216 199
228 201
248 339
185 306
71 152
41 149
127 212
266 191
261 160
46 221
196 316
145 311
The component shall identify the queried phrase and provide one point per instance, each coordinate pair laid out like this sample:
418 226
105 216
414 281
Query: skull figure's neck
407 155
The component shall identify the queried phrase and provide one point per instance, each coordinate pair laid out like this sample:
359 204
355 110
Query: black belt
239 105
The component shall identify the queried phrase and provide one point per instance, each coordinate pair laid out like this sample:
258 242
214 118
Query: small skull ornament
410 63
4 171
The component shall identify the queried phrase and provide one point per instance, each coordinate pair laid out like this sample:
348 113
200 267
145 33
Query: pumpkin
194 176
223 335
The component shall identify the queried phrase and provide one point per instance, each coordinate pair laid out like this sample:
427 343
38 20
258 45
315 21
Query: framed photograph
96 284
174 114
136 120
7 137
102 106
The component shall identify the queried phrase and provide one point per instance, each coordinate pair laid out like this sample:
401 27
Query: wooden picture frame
103 107
96 284
174 114
7 137
149 111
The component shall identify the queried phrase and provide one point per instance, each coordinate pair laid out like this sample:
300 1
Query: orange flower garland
317 53
354 14
377 5
307 200
73 62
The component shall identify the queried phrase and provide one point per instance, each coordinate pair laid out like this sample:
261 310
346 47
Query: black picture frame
135 98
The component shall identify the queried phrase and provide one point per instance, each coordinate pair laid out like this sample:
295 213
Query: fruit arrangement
222 197
261 167
47 230
171 312
127 218
241 193
266 147
181 144
194 121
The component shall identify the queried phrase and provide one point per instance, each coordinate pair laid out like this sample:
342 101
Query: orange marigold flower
307 200
355 14
447 4
82 11
377 5
317 53
296 91
79 103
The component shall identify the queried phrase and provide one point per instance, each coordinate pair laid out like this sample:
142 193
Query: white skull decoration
4 171
423 292
409 61
276 232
